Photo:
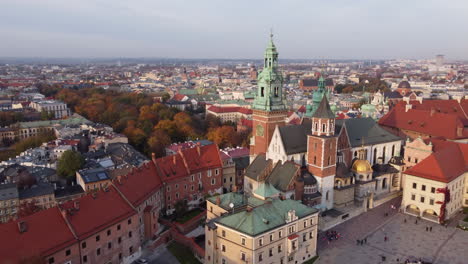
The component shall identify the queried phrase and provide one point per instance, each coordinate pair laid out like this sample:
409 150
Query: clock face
259 130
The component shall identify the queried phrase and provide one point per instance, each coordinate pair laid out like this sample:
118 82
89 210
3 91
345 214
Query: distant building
232 114
59 109
312 84
92 179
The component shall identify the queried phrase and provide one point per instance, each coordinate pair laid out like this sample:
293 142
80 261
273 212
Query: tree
224 136
70 162
181 208
157 142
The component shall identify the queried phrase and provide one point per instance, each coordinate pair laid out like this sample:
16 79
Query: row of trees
149 126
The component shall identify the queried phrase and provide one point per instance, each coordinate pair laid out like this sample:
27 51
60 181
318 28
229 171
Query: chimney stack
198 148
174 159
218 200
76 205
22 226
153 157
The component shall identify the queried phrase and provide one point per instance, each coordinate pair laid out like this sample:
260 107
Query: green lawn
312 260
189 215
182 253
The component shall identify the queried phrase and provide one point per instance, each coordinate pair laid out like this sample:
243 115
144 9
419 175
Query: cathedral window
326 196
262 91
276 91
316 126
323 128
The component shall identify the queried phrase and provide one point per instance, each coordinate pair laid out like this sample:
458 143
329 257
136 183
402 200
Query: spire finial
271 33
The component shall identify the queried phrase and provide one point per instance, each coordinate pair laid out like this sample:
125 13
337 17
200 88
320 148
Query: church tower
269 106
317 96
321 151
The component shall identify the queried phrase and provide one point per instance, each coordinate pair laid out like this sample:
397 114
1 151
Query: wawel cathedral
340 166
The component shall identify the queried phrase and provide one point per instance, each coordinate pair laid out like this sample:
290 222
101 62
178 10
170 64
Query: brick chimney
218 200
153 157
198 148
76 205
22 226
459 131
174 159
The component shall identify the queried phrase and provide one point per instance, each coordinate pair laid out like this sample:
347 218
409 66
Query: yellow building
244 229
437 184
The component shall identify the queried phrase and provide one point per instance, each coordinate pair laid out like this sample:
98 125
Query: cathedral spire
270 95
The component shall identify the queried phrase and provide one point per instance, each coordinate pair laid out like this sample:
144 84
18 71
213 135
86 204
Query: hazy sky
304 29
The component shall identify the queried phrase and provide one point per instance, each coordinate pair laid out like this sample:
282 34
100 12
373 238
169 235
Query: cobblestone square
444 245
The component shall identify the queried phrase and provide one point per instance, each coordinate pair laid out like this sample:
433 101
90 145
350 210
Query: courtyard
405 239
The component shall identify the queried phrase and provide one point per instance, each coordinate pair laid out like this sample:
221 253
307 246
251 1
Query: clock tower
269 106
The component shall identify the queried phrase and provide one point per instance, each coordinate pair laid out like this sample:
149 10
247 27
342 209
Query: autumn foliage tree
224 136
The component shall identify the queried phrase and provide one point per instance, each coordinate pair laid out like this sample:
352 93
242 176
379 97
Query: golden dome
362 166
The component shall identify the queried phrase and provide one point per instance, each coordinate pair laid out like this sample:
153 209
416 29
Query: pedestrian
362 242
405 221
416 222
365 240
357 242
427 228
385 239
398 260
430 228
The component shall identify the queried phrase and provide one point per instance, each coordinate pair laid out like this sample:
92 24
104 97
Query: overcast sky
303 29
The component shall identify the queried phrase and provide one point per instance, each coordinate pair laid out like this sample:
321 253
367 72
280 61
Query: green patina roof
74 120
266 190
188 91
263 218
269 95
239 102
237 199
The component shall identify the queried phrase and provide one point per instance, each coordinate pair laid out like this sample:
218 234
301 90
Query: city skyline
303 29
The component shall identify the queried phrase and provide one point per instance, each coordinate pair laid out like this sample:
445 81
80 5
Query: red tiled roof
140 184
295 121
422 121
444 165
291 237
302 109
441 106
230 109
188 161
246 122
39 239
95 214
207 158
171 167
178 97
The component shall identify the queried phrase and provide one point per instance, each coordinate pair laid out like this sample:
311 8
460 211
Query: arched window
316 126
323 128
384 183
326 195
355 153
393 151
329 160
276 91
262 91
315 160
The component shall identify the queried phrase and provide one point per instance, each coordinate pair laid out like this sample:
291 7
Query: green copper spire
317 96
269 96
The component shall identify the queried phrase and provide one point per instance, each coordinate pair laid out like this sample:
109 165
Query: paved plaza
444 245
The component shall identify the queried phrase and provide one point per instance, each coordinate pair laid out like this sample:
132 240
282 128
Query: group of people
332 235
361 241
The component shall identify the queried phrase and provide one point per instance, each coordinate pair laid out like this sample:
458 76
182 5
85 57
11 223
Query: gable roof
97 212
282 175
444 165
435 124
365 131
294 137
38 239
323 110
138 185
258 165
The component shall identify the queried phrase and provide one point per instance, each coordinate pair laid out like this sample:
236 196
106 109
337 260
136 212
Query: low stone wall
191 224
